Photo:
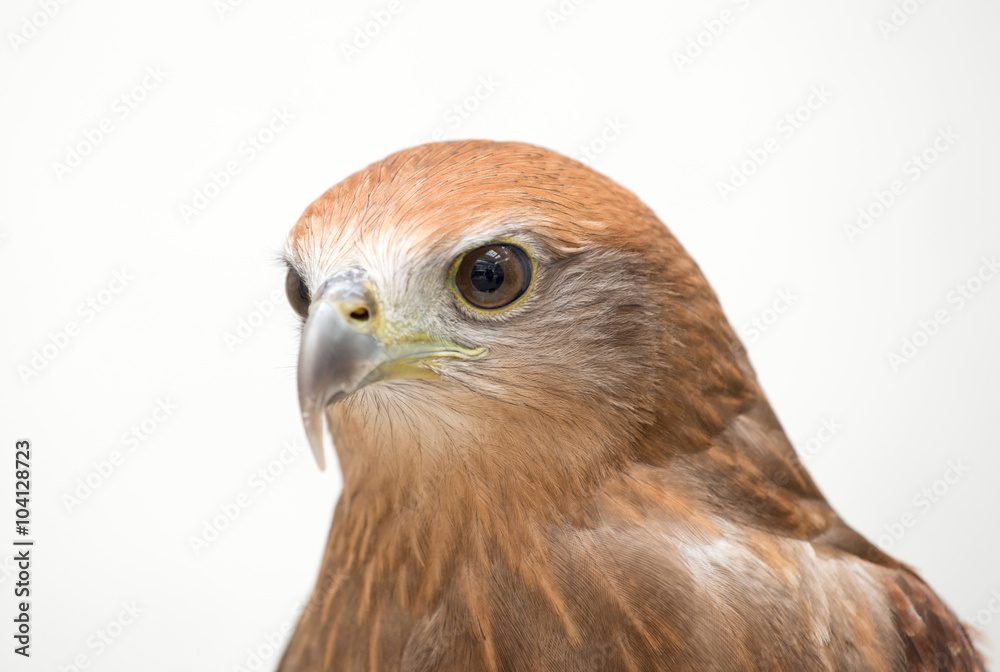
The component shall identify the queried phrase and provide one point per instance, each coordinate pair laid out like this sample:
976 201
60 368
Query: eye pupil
493 276
487 275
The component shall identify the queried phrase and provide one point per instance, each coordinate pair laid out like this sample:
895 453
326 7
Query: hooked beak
342 351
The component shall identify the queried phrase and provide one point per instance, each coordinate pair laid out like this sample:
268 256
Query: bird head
499 301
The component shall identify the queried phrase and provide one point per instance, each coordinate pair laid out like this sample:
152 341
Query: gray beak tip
312 418
320 458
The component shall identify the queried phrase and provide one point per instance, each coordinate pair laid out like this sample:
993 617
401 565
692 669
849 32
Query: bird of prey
555 452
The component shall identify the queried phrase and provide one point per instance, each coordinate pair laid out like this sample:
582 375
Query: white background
678 131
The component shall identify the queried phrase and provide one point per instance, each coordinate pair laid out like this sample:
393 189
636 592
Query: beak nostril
359 314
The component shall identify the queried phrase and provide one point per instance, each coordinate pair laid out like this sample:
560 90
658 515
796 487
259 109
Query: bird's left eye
298 293
493 276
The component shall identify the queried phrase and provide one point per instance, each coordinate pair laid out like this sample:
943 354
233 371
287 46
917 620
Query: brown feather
609 490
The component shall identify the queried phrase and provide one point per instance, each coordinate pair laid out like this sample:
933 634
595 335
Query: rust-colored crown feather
606 488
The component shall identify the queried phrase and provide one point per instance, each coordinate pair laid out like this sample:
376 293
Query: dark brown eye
493 276
298 293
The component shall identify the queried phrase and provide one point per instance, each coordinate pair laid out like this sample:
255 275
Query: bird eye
298 293
493 276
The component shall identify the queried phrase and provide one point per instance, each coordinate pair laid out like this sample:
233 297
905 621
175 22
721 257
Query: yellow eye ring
494 277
